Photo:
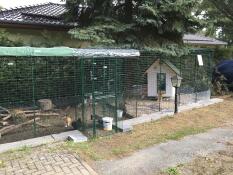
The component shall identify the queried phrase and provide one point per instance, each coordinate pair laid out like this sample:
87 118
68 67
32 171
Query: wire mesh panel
196 77
16 92
100 94
25 83
46 95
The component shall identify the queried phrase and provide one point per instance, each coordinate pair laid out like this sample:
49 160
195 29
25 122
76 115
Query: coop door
161 82
104 92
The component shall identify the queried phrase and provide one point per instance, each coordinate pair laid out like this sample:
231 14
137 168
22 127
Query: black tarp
225 68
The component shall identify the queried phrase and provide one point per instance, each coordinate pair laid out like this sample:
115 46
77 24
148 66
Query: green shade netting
67 52
32 51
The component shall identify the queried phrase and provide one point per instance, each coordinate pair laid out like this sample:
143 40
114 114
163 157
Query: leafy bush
5 41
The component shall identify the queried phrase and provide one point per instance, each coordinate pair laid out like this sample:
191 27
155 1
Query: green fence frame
75 77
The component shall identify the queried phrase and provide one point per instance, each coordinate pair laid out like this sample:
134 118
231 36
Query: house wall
42 37
152 80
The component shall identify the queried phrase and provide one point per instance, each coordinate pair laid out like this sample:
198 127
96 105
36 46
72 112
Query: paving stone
46 163
84 171
19 173
48 168
2 172
57 169
75 170
66 169
50 173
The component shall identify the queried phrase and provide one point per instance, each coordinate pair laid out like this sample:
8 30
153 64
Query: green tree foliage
46 40
223 54
5 41
218 18
133 23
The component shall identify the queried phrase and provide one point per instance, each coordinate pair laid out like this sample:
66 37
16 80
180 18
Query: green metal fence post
33 92
82 93
75 89
179 101
195 77
104 87
116 93
159 95
209 69
93 95
211 57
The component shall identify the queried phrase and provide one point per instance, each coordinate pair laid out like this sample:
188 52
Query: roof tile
48 14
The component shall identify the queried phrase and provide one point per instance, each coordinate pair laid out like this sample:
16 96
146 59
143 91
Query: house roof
201 40
41 14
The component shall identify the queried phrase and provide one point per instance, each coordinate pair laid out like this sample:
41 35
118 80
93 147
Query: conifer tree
137 23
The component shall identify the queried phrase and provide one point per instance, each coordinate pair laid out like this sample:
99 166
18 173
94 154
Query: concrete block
29 142
125 127
77 139
77 135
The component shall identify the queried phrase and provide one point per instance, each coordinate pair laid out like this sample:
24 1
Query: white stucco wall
152 80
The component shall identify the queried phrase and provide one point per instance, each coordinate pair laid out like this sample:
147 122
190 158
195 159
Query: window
161 82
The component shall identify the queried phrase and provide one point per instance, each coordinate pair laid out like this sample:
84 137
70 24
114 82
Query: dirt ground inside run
219 163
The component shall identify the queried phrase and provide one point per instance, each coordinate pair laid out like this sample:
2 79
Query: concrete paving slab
29 142
124 126
200 104
158 115
64 135
43 140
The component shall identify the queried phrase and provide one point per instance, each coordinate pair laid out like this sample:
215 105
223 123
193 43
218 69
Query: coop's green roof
172 66
67 52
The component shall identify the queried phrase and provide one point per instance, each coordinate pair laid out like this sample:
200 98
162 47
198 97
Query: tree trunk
45 104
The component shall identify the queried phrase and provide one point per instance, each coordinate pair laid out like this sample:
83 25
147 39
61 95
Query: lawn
145 135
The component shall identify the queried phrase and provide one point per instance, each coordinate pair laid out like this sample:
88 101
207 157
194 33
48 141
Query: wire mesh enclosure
43 95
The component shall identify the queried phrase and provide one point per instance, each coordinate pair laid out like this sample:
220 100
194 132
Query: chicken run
52 90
